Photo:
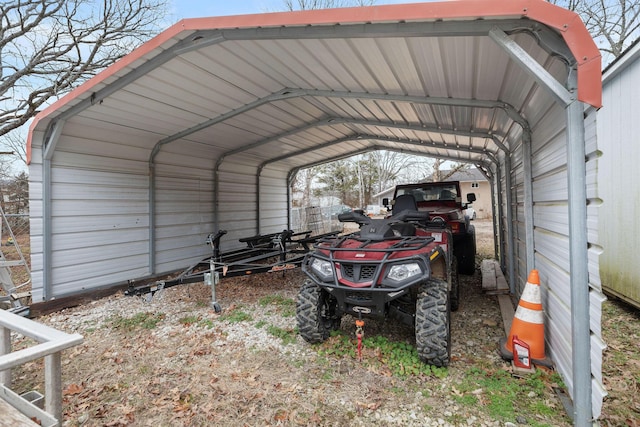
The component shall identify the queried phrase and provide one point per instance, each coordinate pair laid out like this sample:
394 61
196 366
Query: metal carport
204 126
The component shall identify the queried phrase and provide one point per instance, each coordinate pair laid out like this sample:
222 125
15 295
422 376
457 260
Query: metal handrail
51 342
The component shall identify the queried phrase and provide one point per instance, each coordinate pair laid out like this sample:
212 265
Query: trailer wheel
433 314
316 313
467 253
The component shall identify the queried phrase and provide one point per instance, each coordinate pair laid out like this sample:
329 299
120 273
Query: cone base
506 354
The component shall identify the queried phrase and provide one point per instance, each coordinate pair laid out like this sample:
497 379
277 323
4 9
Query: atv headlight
322 268
402 272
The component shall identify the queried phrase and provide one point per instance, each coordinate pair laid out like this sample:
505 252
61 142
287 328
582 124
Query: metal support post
214 278
5 348
578 261
53 385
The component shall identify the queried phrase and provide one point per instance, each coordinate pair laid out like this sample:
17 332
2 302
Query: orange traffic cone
528 323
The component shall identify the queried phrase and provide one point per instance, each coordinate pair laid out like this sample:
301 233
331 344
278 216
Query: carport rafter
295 170
402 141
365 137
201 38
290 93
334 121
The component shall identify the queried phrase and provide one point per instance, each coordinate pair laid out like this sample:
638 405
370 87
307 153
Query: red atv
443 201
400 266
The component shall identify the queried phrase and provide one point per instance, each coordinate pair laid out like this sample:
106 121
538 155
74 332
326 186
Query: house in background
471 181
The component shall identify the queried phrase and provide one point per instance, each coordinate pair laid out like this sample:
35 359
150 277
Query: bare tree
14 143
324 4
443 175
302 184
613 24
49 46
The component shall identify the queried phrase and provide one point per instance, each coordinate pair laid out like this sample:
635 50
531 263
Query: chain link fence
318 220
15 251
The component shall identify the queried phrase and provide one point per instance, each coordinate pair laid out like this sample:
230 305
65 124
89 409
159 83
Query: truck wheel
454 294
467 253
433 340
315 313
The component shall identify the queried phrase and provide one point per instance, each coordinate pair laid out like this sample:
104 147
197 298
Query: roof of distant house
463 175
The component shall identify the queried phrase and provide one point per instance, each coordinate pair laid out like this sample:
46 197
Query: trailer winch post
211 279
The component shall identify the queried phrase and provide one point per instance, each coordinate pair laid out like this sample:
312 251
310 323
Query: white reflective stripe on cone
528 315
531 293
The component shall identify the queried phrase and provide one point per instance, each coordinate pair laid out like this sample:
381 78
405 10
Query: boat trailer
264 253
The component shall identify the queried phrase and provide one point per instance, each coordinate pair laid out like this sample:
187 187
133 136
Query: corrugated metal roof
279 93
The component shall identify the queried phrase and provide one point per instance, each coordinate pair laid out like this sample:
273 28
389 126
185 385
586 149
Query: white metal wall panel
596 297
100 224
618 130
552 243
35 221
184 218
274 205
237 201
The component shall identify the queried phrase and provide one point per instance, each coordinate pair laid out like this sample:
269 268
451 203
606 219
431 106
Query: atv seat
404 202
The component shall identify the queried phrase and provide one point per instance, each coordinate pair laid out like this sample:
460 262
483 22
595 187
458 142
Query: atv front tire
433 314
315 313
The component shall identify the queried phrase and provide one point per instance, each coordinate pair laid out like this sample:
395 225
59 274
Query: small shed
203 128
619 141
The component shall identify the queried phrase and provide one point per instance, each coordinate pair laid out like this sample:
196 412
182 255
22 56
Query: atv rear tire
454 294
433 314
315 313
467 253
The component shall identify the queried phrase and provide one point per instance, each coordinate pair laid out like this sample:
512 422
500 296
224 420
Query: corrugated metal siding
618 131
274 207
36 220
551 238
552 244
99 221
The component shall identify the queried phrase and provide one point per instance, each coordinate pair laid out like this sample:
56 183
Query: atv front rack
407 243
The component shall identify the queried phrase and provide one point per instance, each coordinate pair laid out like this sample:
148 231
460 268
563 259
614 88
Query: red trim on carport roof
567 23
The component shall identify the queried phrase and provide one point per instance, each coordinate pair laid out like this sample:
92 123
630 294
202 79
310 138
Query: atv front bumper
365 289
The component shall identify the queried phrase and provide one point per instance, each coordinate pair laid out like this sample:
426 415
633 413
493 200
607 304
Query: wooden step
12 417
493 281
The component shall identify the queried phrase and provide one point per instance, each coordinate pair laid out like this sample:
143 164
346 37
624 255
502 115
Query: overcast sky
201 8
